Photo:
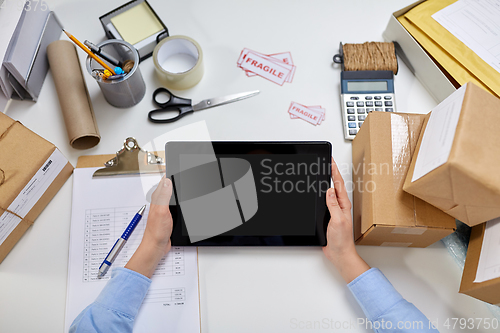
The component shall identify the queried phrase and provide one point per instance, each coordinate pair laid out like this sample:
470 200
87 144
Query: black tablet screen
249 193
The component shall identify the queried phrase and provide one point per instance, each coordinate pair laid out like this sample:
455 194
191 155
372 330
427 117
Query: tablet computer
249 193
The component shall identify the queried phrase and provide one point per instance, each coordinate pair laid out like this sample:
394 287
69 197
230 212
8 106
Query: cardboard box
457 157
32 170
416 58
488 291
384 214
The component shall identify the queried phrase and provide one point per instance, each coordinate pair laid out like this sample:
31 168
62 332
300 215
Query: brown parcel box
467 185
383 213
488 291
32 170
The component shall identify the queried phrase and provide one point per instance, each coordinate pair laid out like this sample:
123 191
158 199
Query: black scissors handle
172 99
181 111
174 105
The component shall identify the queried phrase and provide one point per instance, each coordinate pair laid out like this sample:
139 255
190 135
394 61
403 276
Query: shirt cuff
124 292
374 293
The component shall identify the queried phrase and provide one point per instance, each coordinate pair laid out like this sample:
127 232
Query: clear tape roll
179 62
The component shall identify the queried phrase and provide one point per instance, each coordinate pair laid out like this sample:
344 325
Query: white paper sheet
102 209
31 193
439 134
489 260
476 23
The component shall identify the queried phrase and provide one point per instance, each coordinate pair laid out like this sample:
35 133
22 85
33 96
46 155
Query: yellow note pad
137 23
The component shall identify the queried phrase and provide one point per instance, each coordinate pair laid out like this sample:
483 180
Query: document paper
488 267
439 133
102 209
31 193
475 23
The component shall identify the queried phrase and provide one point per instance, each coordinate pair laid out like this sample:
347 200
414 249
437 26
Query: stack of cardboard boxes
414 174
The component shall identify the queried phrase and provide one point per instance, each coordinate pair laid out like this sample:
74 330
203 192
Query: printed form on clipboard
102 208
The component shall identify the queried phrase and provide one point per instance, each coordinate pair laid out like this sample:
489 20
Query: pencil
93 56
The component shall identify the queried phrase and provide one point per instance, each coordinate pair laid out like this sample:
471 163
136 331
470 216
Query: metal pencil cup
128 90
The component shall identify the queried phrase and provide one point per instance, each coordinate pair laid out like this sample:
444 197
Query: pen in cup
97 50
115 71
120 243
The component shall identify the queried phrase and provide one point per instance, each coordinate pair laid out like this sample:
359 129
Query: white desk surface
241 289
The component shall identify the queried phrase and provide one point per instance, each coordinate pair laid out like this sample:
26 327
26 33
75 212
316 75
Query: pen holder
128 90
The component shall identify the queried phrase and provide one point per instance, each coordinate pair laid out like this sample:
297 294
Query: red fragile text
268 69
305 113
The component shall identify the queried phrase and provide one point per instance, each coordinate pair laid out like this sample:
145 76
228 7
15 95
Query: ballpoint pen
97 50
115 250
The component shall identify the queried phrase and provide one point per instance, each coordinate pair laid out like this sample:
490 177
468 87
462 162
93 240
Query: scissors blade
210 103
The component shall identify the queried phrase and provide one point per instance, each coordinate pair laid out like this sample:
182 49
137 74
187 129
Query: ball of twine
370 56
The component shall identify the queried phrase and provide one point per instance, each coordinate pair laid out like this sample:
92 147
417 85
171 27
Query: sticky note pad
137 23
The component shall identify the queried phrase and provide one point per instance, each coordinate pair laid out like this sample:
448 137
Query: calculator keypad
357 107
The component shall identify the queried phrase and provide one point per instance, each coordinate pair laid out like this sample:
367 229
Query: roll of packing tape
178 62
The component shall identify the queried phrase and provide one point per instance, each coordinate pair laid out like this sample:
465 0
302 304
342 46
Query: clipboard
131 159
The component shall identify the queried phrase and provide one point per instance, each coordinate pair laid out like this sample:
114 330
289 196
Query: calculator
363 92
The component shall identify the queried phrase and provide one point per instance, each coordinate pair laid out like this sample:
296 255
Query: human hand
340 249
159 225
156 240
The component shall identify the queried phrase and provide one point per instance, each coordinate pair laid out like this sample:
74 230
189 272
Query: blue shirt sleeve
385 309
117 305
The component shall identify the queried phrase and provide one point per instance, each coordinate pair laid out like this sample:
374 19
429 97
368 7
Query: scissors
178 107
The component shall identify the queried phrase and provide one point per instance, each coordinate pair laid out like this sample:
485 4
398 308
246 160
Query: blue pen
115 250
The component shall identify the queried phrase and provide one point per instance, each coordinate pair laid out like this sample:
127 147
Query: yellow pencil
83 47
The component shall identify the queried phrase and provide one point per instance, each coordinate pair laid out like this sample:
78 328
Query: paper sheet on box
102 209
421 17
476 24
437 140
28 197
488 267
458 72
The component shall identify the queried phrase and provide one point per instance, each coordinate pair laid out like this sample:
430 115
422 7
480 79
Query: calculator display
367 85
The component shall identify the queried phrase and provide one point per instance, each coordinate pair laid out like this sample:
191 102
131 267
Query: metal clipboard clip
131 160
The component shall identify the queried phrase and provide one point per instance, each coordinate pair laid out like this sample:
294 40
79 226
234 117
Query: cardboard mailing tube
74 98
